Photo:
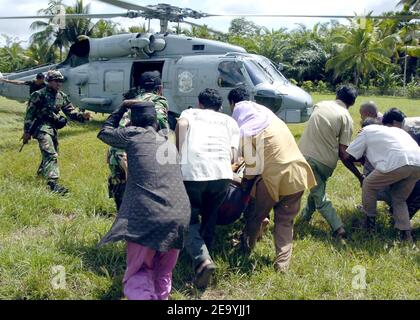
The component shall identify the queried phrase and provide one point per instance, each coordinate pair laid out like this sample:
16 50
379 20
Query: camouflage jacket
33 86
117 157
161 106
45 105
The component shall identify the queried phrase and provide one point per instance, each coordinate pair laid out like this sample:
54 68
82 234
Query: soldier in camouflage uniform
43 119
150 91
34 85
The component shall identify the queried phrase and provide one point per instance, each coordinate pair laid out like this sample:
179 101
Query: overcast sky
20 28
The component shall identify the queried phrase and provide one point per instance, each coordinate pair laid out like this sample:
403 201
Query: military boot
370 224
406 236
339 234
56 188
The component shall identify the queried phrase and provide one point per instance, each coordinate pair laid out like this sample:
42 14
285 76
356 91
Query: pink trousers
149 273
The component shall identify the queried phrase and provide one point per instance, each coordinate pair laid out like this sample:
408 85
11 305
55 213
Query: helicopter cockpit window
269 67
230 74
256 73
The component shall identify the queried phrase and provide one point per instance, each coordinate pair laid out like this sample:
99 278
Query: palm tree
273 44
413 5
40 53
361 48
50 35
138 29
12 55
77 27
60 39
198 32
105 28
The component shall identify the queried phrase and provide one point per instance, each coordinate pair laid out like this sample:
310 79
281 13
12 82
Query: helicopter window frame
271 69
230 77
108 81
256 73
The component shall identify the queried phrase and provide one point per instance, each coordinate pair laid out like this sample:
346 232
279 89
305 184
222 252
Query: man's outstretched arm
348 161
17 82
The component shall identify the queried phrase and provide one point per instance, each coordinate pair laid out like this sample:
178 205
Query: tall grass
39 230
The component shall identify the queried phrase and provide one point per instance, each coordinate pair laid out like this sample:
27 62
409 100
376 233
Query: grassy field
40 231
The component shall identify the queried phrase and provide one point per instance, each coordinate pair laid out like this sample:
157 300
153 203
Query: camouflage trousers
48 144
117 162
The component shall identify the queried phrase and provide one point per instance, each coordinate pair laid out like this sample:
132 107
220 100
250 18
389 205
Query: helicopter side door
139 67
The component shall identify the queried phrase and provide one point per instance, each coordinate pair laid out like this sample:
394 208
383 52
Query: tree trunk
356 77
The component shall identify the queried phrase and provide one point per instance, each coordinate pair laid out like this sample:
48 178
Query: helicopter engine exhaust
124 45
154 45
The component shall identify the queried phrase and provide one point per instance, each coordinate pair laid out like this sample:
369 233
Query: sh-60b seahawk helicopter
99 71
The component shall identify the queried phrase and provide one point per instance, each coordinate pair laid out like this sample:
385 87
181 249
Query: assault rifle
32 130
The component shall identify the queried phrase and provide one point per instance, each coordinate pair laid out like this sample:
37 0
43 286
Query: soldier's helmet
54 75
150 80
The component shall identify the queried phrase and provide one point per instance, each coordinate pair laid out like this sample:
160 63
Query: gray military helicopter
98 71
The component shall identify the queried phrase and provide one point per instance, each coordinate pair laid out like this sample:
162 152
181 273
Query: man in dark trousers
207 140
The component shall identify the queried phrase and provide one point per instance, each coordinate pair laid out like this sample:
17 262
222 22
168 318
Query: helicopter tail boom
14 92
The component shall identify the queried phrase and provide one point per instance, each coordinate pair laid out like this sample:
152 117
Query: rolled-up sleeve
346 131
115 137
358 147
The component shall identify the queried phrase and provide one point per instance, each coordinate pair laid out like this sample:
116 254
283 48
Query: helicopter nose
297 107
297 98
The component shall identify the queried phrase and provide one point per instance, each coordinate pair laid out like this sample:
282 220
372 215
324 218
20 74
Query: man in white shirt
396 118
396 159
208 141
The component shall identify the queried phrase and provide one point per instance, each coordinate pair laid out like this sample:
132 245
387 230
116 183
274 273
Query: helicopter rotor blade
186 12
135 14
397 17
161 10
125 5
72 16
